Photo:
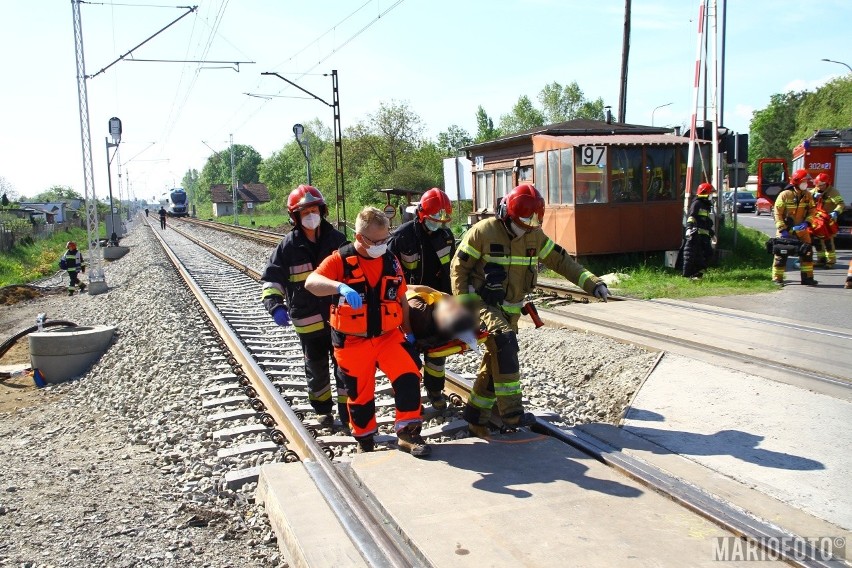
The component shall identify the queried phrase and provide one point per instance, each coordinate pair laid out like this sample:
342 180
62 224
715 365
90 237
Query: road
827 304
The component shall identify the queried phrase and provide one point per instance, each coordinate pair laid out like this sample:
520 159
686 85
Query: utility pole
234 182
625 54
714 117
97 282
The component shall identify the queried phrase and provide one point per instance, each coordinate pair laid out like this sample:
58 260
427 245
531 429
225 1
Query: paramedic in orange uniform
370 329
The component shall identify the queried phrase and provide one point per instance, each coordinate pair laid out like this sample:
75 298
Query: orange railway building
609 187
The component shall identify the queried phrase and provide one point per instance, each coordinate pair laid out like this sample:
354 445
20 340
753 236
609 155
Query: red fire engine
827 151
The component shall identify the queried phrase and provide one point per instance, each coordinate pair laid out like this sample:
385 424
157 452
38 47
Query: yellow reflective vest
794 203
490 241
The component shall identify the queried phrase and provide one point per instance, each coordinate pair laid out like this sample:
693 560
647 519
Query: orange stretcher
455 346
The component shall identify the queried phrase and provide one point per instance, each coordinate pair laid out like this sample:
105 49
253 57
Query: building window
590 184
552 176
702 158
541 170
660 169
626 174
525 173
503 185
484 190
567 176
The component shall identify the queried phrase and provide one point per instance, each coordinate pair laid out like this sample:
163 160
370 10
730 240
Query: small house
249 196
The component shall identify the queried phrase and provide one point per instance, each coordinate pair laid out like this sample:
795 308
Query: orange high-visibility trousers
357 359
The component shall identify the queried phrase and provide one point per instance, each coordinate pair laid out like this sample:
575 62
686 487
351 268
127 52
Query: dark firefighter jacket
284 277
699 216
425 258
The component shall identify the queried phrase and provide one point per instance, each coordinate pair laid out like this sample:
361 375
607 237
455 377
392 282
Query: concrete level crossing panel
528 500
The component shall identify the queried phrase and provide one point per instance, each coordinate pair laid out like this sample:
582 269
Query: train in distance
175 202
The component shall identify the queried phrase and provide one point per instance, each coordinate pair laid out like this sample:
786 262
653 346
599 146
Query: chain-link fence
15 231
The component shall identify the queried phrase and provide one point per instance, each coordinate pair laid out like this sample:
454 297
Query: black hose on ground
6 345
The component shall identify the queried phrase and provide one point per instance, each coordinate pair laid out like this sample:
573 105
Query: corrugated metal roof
620 139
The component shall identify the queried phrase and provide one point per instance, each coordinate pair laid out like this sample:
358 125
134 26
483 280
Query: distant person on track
697 245
425 247
794 211
72 262
162 218
146 212
495 267
370 330
829 200
284 296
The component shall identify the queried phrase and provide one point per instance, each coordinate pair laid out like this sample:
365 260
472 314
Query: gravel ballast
118 468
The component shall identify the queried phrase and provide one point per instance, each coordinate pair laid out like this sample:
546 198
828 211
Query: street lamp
838 62
299 131
656 109
115 134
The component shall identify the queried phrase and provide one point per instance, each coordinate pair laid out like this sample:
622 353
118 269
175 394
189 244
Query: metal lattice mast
96 272
234 182
338 154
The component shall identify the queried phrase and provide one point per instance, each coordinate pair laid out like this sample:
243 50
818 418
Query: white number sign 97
593 155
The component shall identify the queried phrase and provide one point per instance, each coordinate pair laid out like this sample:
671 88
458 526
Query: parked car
745 202
762 206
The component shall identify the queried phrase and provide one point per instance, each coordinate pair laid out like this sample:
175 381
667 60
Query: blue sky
443 57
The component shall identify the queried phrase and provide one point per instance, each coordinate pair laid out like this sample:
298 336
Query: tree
57 193
523 116
190 183
218 169
485 130
390 133
560 104
453 138
285 169
772 128
829 107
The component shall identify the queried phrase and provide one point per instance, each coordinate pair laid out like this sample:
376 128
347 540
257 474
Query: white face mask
311 221
517 229
431 225
376 251
803 185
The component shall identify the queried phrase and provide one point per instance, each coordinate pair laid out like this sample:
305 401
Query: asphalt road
827 304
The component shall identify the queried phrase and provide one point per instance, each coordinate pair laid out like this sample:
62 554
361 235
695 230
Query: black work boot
366 444
808 281
519 420
82 287
409 440
325 420
437 400
479 430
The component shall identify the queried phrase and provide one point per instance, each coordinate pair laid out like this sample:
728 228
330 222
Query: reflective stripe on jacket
490 242
73 260
289 266
425 257
796 204
381 311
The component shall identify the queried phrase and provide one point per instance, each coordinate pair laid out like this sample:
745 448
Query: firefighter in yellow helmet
794 212
495 267
831 201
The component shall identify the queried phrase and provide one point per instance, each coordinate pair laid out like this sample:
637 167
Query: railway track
261 236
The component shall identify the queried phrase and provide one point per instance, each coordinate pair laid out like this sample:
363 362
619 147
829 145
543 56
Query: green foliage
453 138
772 128
485 130
189 182
829 107
561 103
218 169
523 116
25 263
57 193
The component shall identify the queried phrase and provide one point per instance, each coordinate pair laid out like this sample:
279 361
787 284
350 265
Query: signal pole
234 182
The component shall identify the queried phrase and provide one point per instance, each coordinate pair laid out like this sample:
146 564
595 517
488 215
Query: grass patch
270 221
745 270
26 263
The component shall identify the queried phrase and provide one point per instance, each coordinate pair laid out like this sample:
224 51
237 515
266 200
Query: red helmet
305 196
435 205
821 178
705 189
71 245
524 205
799 176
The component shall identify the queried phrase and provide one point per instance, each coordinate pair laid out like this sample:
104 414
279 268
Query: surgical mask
803 186
517 229
431 225
311 221
376 251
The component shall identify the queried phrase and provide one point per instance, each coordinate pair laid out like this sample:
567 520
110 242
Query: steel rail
257 235
368 533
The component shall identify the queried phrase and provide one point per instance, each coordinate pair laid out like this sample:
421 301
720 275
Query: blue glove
785 233
602 292
409 337
834 215
352 297
281 316
800 227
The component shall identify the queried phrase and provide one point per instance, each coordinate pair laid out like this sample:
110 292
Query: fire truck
827 151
